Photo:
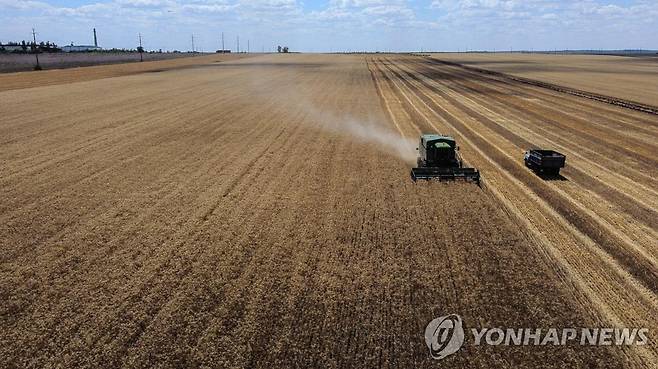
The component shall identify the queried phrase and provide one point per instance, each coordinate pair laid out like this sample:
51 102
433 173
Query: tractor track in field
625 244
560 103
562 89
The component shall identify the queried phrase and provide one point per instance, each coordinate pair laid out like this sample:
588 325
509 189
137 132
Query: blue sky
332 25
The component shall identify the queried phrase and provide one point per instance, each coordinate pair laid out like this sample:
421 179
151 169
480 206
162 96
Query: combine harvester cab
438 159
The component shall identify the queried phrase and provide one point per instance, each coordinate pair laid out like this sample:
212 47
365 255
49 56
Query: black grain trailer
547 162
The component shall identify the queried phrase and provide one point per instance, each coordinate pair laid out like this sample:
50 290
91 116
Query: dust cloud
318 114
368 131
371 130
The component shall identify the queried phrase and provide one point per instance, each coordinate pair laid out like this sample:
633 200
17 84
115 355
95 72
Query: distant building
82 48
79 48
225 51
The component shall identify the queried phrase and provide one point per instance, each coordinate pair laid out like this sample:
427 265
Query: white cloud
145 3
274 7
368 13
441 24
23 5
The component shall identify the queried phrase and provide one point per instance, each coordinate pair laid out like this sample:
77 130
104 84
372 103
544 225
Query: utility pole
141 49
193 42
223 42
36 52
247 46
238 47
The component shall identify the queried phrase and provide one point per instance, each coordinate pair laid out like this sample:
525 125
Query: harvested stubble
203 217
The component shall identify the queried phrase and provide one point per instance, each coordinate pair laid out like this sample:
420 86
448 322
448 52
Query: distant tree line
29 47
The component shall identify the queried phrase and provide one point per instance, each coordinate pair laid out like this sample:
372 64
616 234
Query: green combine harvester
439 159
